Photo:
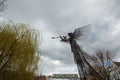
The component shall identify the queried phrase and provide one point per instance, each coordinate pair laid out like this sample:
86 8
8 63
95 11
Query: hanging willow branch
18 51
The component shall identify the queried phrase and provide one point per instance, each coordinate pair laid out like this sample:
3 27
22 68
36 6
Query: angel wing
82 31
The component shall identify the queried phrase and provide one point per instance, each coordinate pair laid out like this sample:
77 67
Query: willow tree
18 52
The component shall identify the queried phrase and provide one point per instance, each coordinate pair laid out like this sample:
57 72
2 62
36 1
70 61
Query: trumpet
55 37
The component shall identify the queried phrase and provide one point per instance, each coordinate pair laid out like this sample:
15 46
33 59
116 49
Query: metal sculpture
80 56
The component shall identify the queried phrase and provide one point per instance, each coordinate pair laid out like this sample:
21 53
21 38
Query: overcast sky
58 17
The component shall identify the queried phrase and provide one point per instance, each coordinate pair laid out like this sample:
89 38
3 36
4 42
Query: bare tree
103 63
3 5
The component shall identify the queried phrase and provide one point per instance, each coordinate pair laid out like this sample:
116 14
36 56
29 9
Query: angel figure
80 56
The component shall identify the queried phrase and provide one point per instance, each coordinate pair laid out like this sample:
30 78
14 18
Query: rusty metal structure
80 56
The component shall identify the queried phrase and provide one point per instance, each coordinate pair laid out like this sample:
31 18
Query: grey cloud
58 17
